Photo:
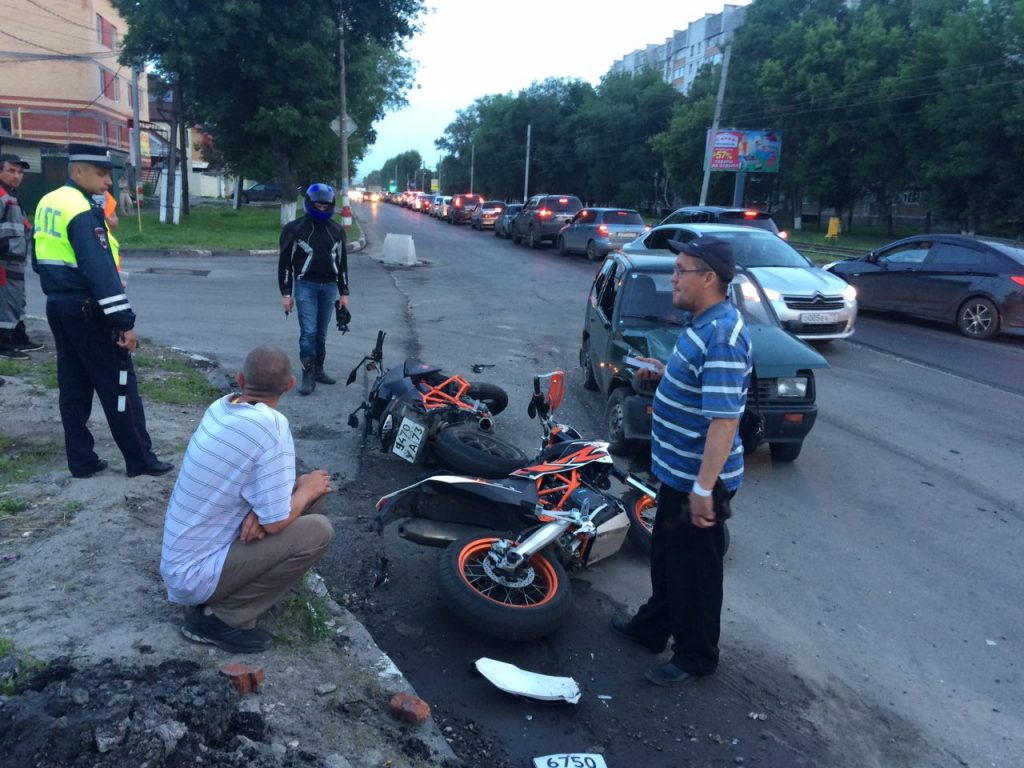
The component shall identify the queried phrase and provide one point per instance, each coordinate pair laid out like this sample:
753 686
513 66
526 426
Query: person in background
15 245
241 529
312 273
92 321
697 455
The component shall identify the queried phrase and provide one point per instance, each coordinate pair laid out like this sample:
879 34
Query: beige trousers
257 574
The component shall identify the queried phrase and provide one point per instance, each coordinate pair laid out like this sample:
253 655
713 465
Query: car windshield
648 296
490 204
754 248
623 217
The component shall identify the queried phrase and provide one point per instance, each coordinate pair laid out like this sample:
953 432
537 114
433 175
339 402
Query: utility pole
526 177
185 139
170 165
714 126
346 211
137 141
472 164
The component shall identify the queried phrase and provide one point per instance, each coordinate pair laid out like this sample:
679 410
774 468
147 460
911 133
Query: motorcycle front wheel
525 605
468 449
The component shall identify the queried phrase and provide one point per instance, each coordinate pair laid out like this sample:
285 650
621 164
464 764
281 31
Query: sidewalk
79 579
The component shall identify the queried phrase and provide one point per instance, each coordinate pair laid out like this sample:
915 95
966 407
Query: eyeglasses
678 271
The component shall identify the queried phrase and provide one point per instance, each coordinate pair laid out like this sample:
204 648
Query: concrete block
399 249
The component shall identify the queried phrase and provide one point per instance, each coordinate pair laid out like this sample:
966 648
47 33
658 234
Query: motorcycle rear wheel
642 510
491 395
527 605
469 450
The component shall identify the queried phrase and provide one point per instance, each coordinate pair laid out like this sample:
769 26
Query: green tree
263 78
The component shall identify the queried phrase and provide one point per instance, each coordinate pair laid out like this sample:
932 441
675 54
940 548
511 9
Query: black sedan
976 283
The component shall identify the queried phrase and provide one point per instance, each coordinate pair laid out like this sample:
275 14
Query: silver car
811 303
598 231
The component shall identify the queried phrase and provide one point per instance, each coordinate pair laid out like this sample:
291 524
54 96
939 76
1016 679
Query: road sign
350 126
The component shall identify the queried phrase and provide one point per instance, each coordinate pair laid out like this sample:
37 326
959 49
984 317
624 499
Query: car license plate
817 318
408 440
570 760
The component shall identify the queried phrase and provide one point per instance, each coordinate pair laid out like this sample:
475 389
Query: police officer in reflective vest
91 319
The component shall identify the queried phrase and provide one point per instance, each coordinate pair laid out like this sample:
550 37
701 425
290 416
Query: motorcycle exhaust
486 424
433 533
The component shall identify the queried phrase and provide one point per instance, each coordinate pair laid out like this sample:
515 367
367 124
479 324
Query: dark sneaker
27 346
209 629
160 468
99 466
621 626
13 354
669 674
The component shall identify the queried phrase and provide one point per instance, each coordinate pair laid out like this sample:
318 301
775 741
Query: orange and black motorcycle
421 414
510 541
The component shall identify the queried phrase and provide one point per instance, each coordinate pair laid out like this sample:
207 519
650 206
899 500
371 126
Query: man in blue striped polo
697 455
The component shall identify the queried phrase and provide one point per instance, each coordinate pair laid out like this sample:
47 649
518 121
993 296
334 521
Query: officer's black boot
7 348
21 340
308 376
321 377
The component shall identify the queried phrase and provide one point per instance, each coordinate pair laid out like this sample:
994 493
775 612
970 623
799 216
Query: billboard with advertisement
746 151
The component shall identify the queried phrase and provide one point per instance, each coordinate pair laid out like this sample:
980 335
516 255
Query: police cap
90 153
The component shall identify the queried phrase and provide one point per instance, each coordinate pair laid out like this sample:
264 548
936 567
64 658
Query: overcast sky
470 48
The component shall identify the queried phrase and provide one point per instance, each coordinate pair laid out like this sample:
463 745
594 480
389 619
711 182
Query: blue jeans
314 303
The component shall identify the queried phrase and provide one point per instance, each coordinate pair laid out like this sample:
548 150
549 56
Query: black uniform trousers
686 582
89 360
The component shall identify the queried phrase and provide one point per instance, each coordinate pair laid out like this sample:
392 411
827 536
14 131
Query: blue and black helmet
319 193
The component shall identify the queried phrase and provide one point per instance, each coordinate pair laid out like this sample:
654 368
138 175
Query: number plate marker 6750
570 760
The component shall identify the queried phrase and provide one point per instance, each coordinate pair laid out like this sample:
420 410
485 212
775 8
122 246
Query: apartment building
60 80
684 52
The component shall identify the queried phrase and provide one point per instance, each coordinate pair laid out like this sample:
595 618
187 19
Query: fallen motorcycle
421 414
510 541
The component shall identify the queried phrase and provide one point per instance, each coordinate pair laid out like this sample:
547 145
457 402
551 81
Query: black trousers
88 361
686 582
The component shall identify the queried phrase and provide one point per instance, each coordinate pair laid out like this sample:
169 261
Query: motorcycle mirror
351 376
353 420
531 410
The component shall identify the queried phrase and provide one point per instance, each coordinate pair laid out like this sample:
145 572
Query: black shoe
160 468
621 626
27 346
669 674
13 354
211 630
99 466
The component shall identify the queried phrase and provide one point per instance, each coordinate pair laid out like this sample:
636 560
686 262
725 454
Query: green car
630 313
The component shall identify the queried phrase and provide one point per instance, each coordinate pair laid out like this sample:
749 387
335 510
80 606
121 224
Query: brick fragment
409 709
245 677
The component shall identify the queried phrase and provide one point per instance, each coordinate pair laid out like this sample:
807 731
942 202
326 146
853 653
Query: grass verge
213 227
169 378
26 667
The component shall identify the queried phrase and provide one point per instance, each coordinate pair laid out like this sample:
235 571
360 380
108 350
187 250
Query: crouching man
241 530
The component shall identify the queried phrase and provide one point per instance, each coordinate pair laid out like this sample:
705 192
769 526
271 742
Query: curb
206 253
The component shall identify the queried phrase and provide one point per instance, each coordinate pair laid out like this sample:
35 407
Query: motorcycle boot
7 347
308 376
320 376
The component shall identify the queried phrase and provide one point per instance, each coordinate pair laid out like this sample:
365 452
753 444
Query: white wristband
700 491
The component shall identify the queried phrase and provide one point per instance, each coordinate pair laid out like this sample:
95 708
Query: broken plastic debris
757 716
991 642
520 682
604 697
381 574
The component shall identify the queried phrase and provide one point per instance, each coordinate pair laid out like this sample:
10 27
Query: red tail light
544 213
1018 279
602 230
750 214
784 234
458 203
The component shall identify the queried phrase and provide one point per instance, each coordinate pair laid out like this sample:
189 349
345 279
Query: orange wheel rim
643 514
533 586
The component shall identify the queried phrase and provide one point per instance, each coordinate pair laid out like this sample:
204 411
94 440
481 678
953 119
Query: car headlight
772 294
791 387
850 293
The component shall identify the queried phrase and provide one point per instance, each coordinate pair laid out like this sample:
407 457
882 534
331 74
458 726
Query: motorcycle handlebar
378 350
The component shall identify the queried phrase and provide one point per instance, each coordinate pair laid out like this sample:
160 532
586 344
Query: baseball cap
7 157
713 251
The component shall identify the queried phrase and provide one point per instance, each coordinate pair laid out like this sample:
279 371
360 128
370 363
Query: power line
62 18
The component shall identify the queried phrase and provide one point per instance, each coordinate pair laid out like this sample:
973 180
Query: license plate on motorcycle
813 318
570 760
409 439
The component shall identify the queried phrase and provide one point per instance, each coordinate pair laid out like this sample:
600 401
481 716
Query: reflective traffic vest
53 214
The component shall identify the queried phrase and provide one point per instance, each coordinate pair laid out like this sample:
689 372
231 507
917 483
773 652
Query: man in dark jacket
15 236
312 274
91 319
